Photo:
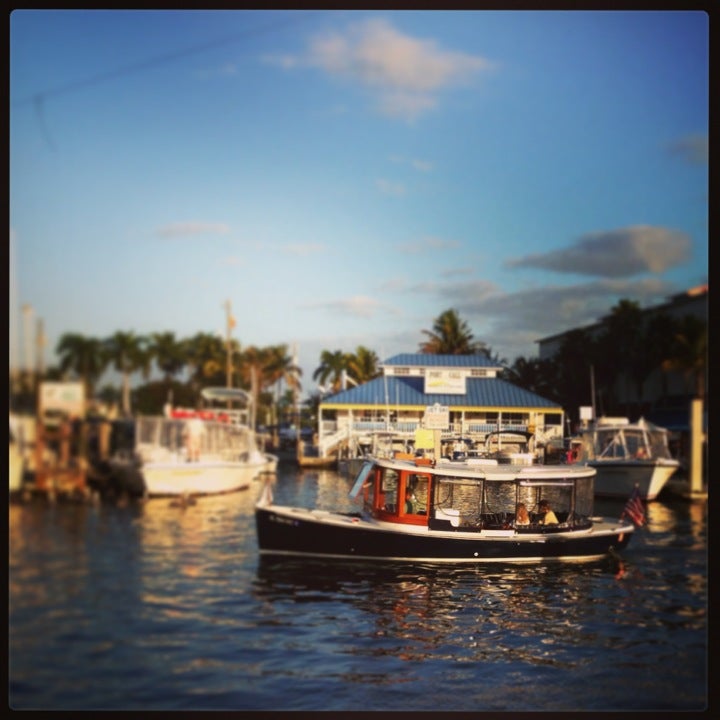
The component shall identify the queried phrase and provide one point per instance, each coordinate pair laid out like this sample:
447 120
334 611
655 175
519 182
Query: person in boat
194 430
521 515
547 516
410 501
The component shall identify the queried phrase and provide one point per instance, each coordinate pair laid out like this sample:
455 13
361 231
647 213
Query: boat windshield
361 479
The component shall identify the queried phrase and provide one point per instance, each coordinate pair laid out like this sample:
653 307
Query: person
194 430
548 516
521 515
409 501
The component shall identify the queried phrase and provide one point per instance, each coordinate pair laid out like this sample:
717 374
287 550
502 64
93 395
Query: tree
255 371
126 351
332 365
84 356
206 355
622 345
451 336
363 365
535 375
168 354
688 353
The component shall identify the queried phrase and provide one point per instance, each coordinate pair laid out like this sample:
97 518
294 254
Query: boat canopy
226 394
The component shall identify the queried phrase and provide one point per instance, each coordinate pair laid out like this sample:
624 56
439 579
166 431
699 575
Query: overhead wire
38 98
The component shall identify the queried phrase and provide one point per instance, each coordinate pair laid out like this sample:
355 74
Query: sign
450 382
64 397
424 439
437 417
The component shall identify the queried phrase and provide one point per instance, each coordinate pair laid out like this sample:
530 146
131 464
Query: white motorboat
626 455
195 452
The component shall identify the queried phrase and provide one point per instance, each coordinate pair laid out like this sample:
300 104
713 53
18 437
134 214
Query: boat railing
161 439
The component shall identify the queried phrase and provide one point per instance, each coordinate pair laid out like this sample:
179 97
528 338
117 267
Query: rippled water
159 607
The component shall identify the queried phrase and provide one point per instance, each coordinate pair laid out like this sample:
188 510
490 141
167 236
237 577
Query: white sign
66 397
586 412
444 381
437 417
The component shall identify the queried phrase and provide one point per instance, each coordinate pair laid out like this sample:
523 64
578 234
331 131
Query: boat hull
165 480
617 478
317 533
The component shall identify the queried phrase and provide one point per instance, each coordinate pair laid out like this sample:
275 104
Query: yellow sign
424 439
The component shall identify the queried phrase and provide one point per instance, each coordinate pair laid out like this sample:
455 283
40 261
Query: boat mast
229 325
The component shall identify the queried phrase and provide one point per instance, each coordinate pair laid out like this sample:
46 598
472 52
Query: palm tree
206 355
84 356
363 364
538 376
127 354
451 336
259 369
622 344
282 367
168 354
688 353
332 365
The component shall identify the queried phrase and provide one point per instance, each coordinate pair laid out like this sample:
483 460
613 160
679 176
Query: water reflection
469 613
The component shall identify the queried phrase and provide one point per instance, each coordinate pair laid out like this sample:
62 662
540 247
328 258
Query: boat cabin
473 495
618 439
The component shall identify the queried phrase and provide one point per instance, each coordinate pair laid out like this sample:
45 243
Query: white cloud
404 72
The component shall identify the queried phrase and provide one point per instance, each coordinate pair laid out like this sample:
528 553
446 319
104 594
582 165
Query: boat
194 452
625 454
455 511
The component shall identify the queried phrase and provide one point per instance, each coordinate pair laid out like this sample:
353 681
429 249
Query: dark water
158 607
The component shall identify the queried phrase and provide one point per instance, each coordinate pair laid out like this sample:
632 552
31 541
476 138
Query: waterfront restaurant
413 388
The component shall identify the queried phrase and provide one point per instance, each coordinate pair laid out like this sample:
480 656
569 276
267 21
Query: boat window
388 489
500 497
462 496
361 479
418 486
659 447
584 496
635 443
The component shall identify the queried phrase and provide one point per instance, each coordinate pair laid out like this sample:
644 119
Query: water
158 607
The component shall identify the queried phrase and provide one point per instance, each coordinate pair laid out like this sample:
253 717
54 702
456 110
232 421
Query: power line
39 98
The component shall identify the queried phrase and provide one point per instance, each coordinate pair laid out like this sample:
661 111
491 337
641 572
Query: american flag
634 508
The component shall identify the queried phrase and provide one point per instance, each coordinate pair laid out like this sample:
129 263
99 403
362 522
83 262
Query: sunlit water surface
159 607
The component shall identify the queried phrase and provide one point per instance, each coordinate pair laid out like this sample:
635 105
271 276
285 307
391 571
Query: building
415 387
666 395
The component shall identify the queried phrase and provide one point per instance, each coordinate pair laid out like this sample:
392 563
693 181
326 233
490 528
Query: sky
341 178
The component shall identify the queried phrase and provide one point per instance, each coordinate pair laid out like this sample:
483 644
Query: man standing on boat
194 430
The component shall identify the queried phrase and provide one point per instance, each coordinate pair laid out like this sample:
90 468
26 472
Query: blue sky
343 177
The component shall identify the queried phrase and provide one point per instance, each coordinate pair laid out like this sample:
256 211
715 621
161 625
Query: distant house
396 404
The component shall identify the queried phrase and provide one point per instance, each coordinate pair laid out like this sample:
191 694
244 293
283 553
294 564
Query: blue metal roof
407 391
430 360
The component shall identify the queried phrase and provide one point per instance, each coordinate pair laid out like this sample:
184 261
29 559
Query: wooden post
697 438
